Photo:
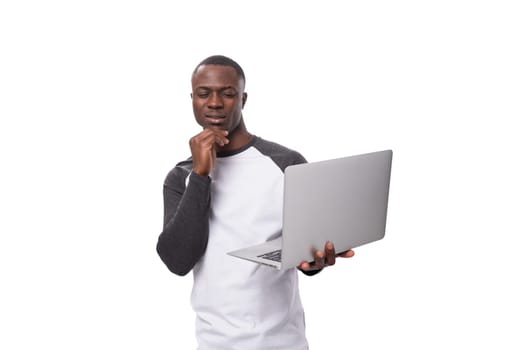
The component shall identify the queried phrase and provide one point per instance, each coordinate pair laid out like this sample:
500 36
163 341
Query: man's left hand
324 258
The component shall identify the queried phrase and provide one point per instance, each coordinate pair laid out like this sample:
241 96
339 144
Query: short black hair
222 61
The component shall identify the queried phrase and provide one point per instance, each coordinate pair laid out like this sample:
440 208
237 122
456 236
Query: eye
229 93
202 93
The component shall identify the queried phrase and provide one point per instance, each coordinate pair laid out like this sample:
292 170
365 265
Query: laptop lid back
340 200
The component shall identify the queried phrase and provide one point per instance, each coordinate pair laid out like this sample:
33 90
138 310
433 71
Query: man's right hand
204 148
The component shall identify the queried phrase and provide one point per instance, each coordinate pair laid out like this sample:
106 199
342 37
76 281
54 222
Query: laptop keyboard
274 256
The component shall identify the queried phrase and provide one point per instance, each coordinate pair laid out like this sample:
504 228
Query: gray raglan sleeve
184 237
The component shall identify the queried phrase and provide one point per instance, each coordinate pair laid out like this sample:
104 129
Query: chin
218 127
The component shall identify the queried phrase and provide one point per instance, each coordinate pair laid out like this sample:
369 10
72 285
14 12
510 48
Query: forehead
216 76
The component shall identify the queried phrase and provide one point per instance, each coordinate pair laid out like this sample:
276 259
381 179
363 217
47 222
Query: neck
239 137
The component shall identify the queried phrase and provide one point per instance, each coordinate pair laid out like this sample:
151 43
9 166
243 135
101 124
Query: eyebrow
222 88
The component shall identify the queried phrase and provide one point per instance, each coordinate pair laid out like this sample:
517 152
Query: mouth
214 120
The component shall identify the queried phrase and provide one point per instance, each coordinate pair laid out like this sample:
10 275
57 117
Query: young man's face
218 97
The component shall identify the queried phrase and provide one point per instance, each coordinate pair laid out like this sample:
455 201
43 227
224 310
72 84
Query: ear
191 95
244 98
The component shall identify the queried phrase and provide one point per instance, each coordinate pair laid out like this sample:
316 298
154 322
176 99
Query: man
229 195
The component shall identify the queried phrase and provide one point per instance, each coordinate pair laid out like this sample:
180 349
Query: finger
217 136
204 139
206 133
319 261
221 140
330 253
346 254
305 266
208 138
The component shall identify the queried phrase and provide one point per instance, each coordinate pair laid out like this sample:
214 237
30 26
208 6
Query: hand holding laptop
324 258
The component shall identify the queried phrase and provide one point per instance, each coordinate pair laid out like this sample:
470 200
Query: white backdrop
95 110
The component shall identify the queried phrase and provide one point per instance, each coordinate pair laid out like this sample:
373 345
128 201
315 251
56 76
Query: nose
215 101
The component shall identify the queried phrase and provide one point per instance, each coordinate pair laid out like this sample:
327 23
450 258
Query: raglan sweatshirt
238 304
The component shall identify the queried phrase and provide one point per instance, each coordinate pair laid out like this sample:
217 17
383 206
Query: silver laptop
341 200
